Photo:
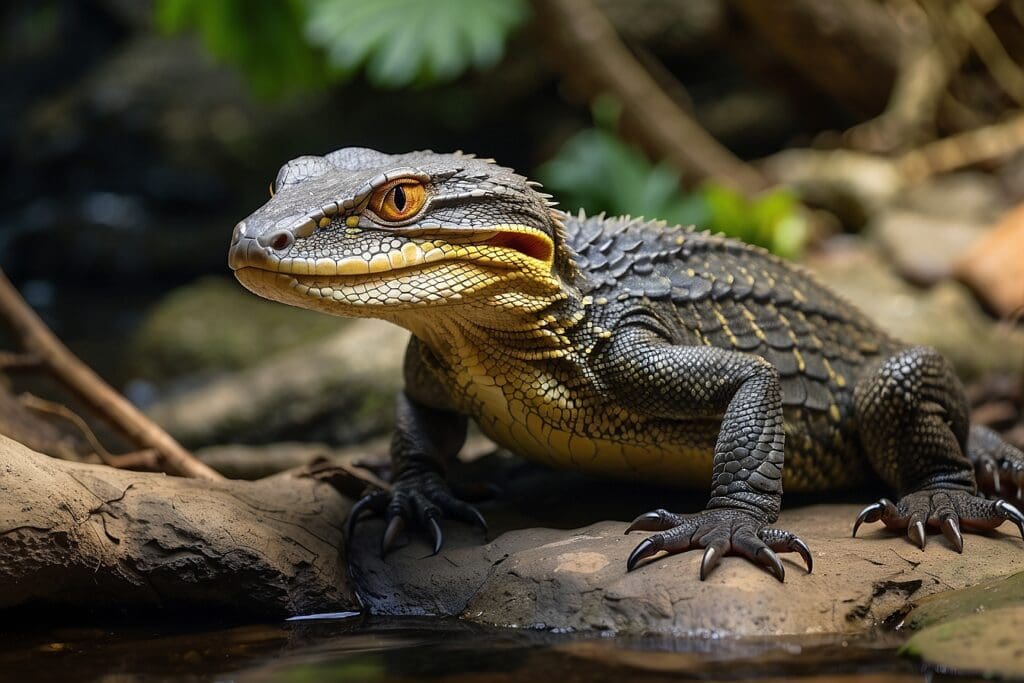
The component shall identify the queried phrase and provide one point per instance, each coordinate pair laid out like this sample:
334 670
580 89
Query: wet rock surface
533 574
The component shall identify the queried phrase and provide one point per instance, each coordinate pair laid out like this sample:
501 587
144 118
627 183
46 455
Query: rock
77 537
984 644
214 324
994 267
953 604
967 630
850 184
924 248
333 390
575 578
969 197
946 316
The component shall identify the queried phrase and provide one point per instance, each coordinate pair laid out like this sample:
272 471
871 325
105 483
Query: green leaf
597 171
406 42
261 37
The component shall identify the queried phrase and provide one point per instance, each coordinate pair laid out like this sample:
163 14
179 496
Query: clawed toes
782 541
770 560
873 513
951 530
1011 513
658 520
646 548
422 501
396 525
719 532
950 511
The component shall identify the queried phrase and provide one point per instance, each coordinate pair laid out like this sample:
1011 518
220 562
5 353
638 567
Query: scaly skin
618 346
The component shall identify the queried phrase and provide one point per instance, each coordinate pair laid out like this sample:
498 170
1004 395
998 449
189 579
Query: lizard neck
525 325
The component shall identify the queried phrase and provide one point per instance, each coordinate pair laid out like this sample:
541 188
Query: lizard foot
944 509
422 498
1001 474
721 531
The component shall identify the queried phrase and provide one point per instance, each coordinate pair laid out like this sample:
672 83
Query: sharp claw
640 523
709 561
645 549
395 527
991 470
479 520
1012 513
951 530
435 533
916 534
772 562
804 551
865 513
363 504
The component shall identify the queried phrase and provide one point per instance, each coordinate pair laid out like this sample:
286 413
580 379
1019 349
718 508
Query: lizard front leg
654 377
428 434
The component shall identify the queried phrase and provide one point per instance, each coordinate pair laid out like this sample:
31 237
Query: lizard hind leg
914 426
998 466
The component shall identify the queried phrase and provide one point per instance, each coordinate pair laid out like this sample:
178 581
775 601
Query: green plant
406 42
597 171
290 45
262 38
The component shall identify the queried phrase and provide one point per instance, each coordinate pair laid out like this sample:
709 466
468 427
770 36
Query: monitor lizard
620 346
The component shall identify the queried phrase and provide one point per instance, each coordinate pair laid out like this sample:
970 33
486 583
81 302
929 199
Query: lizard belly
542 424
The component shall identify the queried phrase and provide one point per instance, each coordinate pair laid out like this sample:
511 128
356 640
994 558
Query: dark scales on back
623 347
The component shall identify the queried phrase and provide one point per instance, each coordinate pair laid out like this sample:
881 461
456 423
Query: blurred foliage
405 42
597 171
290 45
262 38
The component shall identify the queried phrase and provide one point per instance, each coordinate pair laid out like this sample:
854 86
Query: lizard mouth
505 247
415 268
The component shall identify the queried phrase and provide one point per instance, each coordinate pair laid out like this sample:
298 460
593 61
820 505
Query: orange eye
399 200
271 188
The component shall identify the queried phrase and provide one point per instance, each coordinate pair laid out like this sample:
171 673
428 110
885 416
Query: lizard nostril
281 240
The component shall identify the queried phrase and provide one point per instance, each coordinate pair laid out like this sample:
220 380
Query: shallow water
393 650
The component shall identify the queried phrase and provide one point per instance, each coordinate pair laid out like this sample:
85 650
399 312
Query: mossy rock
987 643
215 325
987 595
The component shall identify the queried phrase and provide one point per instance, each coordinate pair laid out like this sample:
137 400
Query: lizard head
362 233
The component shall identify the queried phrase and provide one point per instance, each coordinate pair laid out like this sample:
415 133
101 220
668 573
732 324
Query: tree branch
587 51
37 339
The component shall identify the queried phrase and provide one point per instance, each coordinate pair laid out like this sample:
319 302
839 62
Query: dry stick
963 149
589 53
931 55
80 378
1004 71
147 458
14 361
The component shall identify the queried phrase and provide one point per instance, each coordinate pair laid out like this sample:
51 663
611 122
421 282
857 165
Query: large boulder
575 578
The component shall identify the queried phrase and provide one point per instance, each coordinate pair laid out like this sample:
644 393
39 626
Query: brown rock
994 267
576 578
946 316
333 389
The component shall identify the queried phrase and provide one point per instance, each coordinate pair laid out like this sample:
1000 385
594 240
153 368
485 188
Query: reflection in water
393 650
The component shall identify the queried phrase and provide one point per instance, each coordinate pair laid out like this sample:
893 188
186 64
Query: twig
38 339
589 53
963 149
11 361
1004 71
349 480
145 459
